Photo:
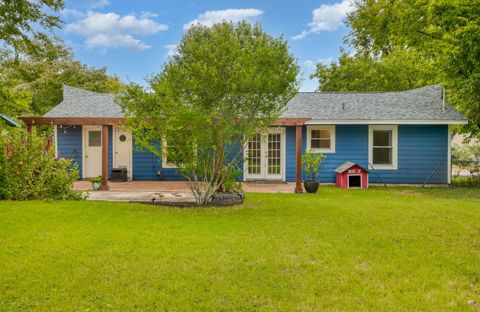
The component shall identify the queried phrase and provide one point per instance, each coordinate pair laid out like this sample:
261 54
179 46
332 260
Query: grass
381 249
466 181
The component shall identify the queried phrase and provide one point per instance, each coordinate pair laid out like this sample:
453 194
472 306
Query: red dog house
351 175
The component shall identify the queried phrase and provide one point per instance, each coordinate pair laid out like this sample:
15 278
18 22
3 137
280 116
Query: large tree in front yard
225 83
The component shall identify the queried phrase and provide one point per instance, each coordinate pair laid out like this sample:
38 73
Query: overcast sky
133 38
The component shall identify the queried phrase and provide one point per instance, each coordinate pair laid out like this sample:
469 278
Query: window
165 162
383 149
172 151
94 138
321 139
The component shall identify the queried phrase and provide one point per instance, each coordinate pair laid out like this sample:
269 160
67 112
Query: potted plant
311 166
96 182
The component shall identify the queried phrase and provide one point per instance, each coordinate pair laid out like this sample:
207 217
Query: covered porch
106 123
103 123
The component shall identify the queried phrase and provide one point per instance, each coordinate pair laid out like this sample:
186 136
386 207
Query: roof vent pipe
343 106
443 99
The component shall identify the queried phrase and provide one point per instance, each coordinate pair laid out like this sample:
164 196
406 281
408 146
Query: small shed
351 175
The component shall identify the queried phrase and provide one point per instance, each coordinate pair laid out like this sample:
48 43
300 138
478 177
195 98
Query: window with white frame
321 139
165 161
173 151
383 146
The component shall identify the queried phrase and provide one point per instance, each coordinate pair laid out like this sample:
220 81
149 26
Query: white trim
283 161
449 156
83 150
394 129
354 175
330 128
55 140
114 160
385 122
165 163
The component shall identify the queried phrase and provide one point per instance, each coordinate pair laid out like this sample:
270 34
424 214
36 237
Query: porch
97 133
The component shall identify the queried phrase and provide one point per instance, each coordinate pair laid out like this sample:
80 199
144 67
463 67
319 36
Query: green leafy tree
225 83
33 84
24 21
441 34
397 71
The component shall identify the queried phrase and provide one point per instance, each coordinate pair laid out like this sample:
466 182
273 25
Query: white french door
265 156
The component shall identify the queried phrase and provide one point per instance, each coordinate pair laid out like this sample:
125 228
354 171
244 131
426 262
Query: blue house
402 137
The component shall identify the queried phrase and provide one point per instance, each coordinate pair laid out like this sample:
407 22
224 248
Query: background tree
24 21
34 64
224 84
34 83
397 71
442 34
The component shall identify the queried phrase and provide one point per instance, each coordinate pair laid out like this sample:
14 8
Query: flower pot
311 186
96 186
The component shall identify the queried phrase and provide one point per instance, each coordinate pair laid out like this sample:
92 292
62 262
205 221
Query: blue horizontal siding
351 145
69 144
148 167
421 148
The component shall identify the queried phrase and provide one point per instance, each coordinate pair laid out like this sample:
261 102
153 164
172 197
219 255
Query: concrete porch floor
181 186
165 191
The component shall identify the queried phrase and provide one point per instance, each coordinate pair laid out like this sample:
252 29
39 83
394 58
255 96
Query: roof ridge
370 92
85 91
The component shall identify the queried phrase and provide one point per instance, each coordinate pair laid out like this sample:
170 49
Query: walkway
181 186
165 191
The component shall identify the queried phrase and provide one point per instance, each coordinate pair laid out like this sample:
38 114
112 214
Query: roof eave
94 121
385 122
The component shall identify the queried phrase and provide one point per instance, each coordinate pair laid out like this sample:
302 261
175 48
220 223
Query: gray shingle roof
417 104
82 103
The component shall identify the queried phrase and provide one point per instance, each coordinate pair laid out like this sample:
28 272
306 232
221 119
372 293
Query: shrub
231 172
311 164
96 179
28 170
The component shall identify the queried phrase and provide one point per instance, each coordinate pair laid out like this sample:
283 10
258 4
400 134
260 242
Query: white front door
122 146
265 156
92 151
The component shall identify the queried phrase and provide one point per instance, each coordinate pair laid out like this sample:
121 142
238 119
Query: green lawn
381 249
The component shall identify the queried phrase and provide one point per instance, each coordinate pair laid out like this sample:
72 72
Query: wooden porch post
104 185
298 173
30 128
